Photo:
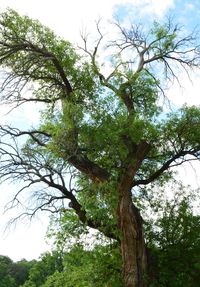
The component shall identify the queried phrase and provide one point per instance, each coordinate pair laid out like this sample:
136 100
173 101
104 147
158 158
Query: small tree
101 136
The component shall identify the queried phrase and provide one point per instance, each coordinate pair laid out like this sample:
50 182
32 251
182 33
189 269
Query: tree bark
133 249
132 243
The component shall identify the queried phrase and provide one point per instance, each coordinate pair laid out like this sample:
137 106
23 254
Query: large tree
103 133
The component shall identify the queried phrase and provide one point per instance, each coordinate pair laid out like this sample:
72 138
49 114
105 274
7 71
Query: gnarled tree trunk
130 223
132 244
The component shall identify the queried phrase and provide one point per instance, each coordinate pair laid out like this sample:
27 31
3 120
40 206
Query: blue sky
184 12
67 18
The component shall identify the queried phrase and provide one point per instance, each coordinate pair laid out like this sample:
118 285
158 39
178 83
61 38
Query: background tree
177 242
20 271
172 236
5 272
13 274
48 264
97 267
103 133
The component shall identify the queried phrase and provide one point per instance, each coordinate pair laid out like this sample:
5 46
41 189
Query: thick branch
36 168
27 46
163 168
91 169
134 161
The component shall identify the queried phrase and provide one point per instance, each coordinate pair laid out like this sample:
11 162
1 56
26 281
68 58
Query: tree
6 278
173 241
179 243
20 271
103 134
98 267
13 274
48 264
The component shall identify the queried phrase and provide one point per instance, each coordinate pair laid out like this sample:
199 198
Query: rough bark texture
132 244
130 224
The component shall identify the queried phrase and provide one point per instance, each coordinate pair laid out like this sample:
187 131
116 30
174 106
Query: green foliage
174 244
6 279
65 230
166 38
172 234
13 274
20 271
27 43
98 267
43 268
184 124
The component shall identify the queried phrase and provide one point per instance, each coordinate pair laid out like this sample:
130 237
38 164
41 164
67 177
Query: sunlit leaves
165 37
98 267
35 54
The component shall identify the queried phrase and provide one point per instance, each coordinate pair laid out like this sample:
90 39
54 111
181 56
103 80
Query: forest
104 158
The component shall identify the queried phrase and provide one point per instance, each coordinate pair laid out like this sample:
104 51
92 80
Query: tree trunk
133 249
132 243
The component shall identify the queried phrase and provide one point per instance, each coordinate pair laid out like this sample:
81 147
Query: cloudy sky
67 18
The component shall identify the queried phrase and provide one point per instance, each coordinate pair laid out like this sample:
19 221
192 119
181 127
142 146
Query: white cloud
158 7
146 8
67 17
186 91
189 6
25 239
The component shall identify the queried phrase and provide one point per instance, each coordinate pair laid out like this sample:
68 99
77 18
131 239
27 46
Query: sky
68 19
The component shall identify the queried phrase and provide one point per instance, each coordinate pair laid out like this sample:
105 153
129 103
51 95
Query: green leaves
43 268
32 53
13 274
183 128
144 92
165 37
173 243
86 268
